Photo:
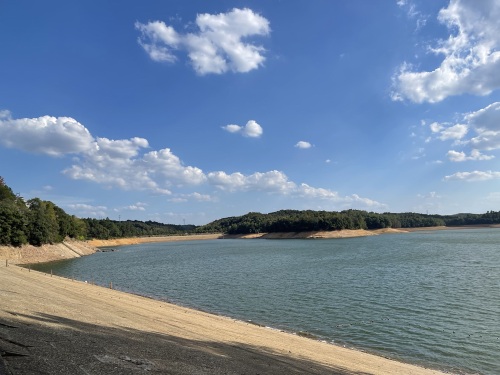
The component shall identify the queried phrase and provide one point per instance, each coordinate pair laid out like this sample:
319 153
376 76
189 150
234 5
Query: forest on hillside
39 222
305 221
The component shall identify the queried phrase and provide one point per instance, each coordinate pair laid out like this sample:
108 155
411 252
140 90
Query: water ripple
428 298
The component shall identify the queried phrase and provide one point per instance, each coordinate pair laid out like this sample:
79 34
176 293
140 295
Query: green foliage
105 228
13 222
43 223
302 221
40 222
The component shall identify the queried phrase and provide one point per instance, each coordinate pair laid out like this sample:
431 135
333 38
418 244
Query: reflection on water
428 298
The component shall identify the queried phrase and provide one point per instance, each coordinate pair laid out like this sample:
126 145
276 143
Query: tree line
307 220
38 222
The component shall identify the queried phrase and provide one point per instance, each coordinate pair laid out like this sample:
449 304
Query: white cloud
252 129
430 195
473 176
303 145
486 119
454 132
307 191
412 12
474 155
218 47
162 39
436 127
485 123
86 210
125 165
471 56
54 136
447 132
167 165
139 206
366 202
278 183
232 128
272 181
193 196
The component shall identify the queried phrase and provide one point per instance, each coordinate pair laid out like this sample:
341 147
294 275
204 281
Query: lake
428 298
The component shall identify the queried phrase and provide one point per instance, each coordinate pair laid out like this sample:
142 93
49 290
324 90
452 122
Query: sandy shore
346 233
46 253
53 325
138 240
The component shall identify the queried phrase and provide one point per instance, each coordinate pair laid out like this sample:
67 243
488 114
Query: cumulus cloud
252 129
127 164
276 182
473 176
471 56
272 181
219 45
303 145
54 136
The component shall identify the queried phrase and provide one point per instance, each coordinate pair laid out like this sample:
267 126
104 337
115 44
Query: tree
43 225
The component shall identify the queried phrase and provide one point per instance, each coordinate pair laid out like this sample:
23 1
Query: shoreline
28 254
64 325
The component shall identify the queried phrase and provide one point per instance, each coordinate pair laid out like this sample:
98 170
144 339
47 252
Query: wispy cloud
473 176
462 156
413 13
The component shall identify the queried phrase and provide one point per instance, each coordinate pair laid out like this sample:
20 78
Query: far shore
73 249
345 233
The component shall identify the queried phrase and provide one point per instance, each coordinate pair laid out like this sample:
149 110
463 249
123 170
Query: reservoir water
428 298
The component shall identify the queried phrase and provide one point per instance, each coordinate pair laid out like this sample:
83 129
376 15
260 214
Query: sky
187 111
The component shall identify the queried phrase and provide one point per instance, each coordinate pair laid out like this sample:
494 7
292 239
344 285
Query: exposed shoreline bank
62 326
73 249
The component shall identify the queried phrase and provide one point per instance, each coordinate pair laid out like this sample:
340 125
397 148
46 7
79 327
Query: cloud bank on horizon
121 164
446 81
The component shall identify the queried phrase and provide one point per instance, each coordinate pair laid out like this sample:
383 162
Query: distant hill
307 220
37 222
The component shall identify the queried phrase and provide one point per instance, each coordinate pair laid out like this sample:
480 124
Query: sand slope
45 253
53 325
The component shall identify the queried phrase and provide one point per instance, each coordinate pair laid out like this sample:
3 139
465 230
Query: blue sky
190 111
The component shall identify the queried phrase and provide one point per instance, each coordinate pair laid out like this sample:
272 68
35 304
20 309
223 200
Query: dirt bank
72 249
45 253
138 240
345 233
